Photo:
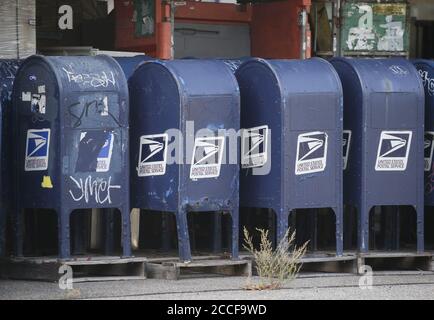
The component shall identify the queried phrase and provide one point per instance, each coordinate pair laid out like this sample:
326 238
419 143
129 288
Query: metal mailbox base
282 226
182 228
63 230
363 227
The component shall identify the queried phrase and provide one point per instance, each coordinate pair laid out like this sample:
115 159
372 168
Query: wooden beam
213 12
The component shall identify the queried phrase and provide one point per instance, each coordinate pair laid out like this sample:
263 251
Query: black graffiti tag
79 111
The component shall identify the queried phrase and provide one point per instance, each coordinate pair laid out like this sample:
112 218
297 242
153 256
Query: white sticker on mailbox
207 157
105 155
254 147
152 155
311 152
393 151
37 150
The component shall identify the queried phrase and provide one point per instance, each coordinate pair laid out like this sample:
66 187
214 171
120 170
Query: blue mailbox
129 64
8 69
182 111
71 132
383 113
291 143
426 72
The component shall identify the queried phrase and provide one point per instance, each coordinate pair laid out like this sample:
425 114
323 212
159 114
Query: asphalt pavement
382 285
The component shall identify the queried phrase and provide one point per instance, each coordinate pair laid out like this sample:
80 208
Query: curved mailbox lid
129 64
215 78
381 75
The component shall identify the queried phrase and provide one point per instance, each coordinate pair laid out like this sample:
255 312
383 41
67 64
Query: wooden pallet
323 262
84 269
175 270
394 261
329 262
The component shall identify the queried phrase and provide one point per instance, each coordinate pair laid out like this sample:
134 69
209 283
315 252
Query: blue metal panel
176 95
71 134
291 114
8 69
383 110
129 64
233 64
426 71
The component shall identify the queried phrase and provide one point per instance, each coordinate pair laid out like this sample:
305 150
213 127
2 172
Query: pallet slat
173 270
83 269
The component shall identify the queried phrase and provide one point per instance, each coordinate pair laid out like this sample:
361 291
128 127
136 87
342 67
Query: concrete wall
422 9
17 29
211 40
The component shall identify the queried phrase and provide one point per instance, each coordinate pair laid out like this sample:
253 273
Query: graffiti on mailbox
94 80
428 82
8 69
96 107
97 189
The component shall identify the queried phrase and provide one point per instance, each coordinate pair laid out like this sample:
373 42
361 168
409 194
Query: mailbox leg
363 228
19 234
80 227
420 228
235 215
165 234
282 223
271 214
217 232
390 221
348 223
63 233
126 232
313 226
183 236
2 232
108 217
339 231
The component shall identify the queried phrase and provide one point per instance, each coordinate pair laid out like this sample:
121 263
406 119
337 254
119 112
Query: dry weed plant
274 267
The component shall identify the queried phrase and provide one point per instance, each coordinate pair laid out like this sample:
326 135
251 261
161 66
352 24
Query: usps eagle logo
152 155
37 150
311 152
428 150
207 157
254 147
393 151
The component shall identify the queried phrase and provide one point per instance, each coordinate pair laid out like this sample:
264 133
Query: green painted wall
374 28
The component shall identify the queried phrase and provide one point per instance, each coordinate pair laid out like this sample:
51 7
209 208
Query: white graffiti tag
99 188
95 80
428 82
398 70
